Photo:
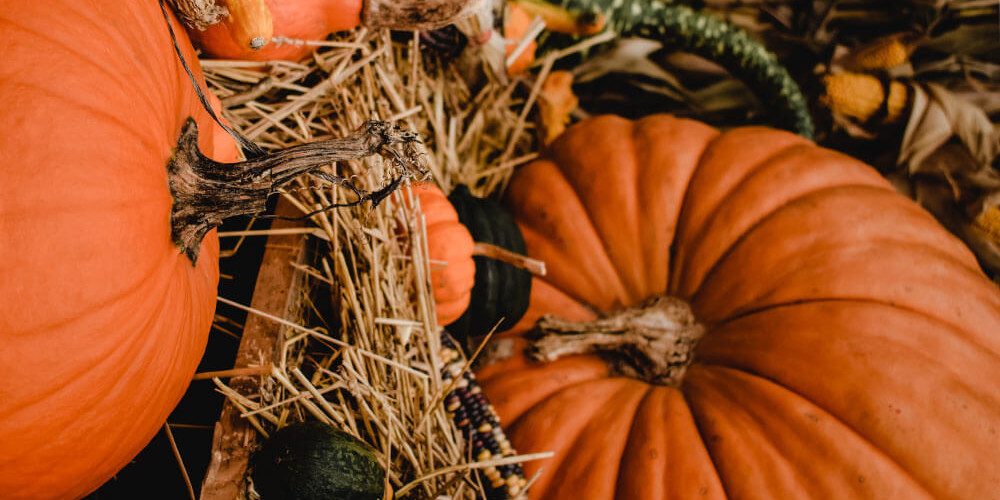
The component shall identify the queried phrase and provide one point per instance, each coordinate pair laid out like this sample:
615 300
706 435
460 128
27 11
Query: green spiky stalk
746 59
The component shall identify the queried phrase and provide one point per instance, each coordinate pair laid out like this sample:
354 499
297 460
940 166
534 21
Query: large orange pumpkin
850 348
104 320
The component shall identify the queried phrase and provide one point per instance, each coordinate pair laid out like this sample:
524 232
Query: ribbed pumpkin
104 320
851 345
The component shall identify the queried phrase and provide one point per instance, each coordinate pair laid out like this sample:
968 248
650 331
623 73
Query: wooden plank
274 293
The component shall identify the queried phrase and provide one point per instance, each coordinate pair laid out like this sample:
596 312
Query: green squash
314 461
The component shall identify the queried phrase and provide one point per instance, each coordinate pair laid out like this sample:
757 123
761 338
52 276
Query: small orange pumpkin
450 247
848 345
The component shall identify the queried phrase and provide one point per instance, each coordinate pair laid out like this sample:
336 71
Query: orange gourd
104 320
263 30
450 248
298 19
849 345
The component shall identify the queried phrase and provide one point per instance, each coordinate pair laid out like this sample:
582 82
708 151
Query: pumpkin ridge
712 270
626 291
628 288
90 309
623 407
770 188
970 343
676 267
938 253
647 393
601 392
146 322
551 394
623 288
802 399
67 103
869 417
862 300
701 424
665 403
64 49
526 230
643 129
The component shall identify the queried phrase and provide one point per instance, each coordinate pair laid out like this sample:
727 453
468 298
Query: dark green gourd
501 290
314 461
682 28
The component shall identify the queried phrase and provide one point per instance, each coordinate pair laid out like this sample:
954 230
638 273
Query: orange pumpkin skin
449 245
851 346
298 19
104 320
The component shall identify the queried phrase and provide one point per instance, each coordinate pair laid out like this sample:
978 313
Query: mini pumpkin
743 314
104 321
450 247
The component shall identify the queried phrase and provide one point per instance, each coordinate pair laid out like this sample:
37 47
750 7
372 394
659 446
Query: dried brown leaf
937 115
968 39
725 95
628 56
938 200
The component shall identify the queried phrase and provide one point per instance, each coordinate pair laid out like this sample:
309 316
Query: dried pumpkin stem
520 261
653 341
416 14
206 191
198 14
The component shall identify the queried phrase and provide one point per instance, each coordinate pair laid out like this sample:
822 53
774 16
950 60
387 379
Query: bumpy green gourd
730 47
501 291
314 461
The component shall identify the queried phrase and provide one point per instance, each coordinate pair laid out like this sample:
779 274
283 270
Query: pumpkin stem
417 14
653 341
206 191
520 261
199 14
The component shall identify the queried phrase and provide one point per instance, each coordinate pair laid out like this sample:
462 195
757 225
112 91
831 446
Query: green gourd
314 461
501 291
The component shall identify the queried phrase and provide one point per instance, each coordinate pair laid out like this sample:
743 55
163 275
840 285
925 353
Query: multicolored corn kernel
475 417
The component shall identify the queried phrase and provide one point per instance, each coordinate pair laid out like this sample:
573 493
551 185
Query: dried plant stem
198 14
206 191
235 372
473 465
653 341
319 335
533 266
180 461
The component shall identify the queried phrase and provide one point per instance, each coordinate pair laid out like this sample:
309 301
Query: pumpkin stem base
653 341
205 191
